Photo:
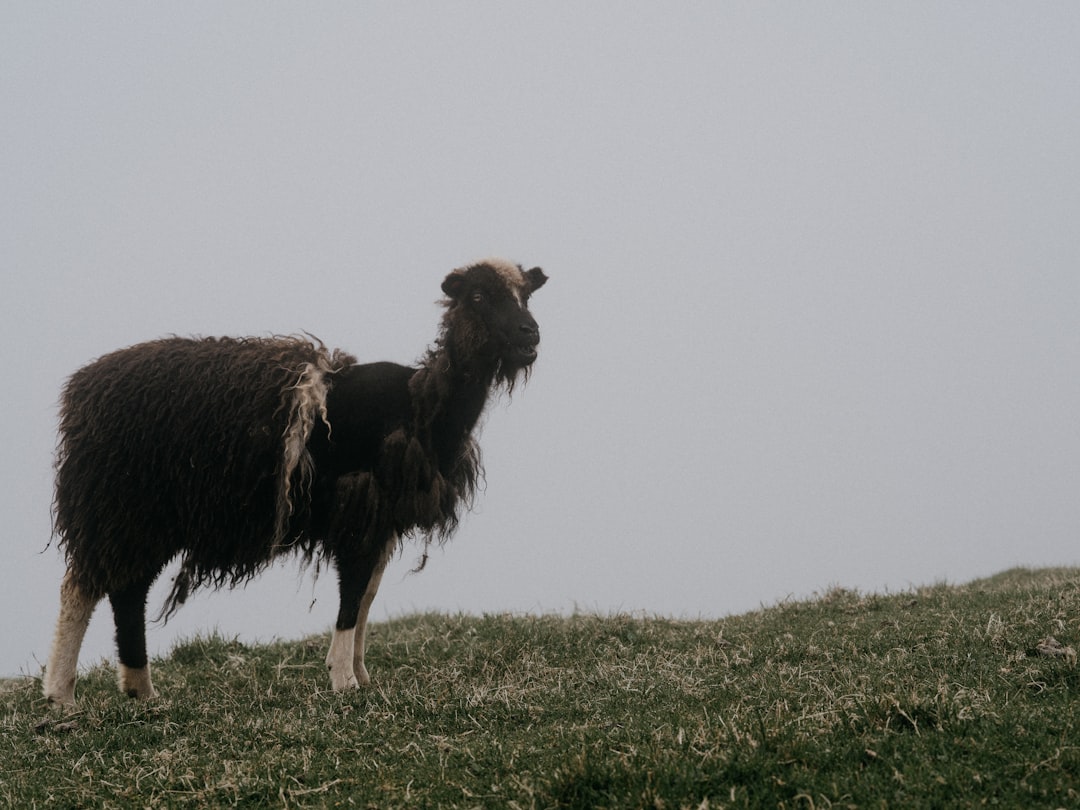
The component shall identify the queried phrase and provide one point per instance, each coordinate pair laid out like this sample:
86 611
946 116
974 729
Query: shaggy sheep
227 453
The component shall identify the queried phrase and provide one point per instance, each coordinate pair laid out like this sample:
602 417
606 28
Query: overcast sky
815 277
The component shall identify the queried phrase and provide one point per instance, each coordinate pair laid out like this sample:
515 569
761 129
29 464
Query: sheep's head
488 304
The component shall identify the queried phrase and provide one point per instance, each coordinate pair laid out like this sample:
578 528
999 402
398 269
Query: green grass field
943 696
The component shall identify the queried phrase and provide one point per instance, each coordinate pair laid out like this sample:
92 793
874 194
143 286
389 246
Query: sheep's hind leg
129 614
358 581
76 608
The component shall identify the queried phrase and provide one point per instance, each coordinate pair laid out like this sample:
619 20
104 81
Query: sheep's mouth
521 355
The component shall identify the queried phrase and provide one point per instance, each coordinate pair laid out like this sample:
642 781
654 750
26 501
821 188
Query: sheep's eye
478 297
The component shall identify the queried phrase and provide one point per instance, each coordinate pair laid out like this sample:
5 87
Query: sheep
227 453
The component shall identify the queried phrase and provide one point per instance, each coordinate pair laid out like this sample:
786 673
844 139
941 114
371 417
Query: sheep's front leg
360 637
76 608
358 581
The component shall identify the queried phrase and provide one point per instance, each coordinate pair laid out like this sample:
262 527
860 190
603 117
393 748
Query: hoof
340 684
135 683
361 675
58 694
61 701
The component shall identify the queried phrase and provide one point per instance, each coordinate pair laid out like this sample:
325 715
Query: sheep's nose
531 331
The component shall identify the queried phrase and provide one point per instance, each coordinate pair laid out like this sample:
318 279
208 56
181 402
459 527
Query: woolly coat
222 452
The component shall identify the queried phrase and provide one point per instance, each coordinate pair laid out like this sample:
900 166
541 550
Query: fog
812 316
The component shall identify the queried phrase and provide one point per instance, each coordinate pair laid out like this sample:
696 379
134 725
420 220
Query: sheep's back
177 446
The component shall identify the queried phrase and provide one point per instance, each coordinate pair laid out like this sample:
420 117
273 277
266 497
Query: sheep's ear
536 278
453 285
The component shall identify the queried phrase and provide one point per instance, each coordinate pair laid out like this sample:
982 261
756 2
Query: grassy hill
939 697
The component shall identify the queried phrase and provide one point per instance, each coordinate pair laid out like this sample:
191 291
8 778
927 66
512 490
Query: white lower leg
76 608
339 660
136 682
360 641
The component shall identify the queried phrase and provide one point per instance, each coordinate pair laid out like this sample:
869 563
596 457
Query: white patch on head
509 273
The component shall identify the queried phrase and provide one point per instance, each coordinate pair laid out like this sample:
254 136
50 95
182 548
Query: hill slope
943 696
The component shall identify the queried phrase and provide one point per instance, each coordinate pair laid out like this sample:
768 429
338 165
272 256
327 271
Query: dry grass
942 697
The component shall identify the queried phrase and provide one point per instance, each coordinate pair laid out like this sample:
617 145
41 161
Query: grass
943 696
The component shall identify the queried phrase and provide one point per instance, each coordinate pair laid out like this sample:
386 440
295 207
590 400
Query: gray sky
812 317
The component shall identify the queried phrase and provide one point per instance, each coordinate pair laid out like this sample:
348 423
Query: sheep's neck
453 395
